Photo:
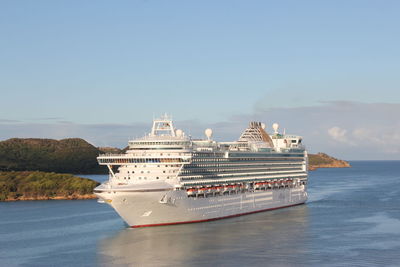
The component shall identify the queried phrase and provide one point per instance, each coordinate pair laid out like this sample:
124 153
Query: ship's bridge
160 143
163 144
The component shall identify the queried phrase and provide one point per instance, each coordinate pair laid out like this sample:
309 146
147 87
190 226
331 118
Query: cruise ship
166 177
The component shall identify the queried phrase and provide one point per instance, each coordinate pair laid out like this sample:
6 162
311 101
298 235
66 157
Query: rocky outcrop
322 160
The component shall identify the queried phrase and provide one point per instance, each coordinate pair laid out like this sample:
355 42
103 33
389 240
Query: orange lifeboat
219 188
191 191
211 189
257 185
202 190
231 187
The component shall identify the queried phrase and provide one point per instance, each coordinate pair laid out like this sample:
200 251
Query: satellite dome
179 133
275 126
208 132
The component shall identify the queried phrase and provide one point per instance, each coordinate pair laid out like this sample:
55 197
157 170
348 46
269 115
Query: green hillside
42 185
322 160
71 155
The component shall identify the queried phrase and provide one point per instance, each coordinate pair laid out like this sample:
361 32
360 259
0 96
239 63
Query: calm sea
352 218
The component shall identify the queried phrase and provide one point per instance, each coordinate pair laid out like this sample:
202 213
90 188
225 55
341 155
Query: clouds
349 130
338 134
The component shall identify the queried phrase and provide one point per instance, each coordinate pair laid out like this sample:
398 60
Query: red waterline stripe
214 219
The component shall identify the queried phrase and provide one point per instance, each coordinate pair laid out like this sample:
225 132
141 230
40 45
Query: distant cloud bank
349 130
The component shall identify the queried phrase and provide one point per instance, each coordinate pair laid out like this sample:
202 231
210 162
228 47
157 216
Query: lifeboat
191 191
202 190
219 188
211 189
231 187
257 185
264 185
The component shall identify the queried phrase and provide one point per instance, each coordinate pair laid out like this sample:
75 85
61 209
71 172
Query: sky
101 70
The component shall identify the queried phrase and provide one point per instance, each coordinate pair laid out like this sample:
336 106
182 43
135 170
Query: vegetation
41 185
71 155
322 160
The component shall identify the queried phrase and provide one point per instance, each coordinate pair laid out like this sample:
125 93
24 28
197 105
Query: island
71 155
322 160
35 185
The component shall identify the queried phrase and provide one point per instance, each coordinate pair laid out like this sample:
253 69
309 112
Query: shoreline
80 197
313 168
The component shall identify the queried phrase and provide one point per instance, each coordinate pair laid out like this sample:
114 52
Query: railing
141 160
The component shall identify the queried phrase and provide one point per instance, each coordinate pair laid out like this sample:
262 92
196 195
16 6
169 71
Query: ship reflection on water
275 237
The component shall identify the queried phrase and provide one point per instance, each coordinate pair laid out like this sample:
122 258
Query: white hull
140 209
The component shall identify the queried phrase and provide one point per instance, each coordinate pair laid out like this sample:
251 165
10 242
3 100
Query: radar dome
275 126
179 133
208 133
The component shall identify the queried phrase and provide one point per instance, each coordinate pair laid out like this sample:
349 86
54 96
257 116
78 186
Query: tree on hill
39 185
73 155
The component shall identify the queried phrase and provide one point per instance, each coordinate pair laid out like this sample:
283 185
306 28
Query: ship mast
163 126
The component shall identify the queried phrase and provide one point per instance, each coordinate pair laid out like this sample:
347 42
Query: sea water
352 218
